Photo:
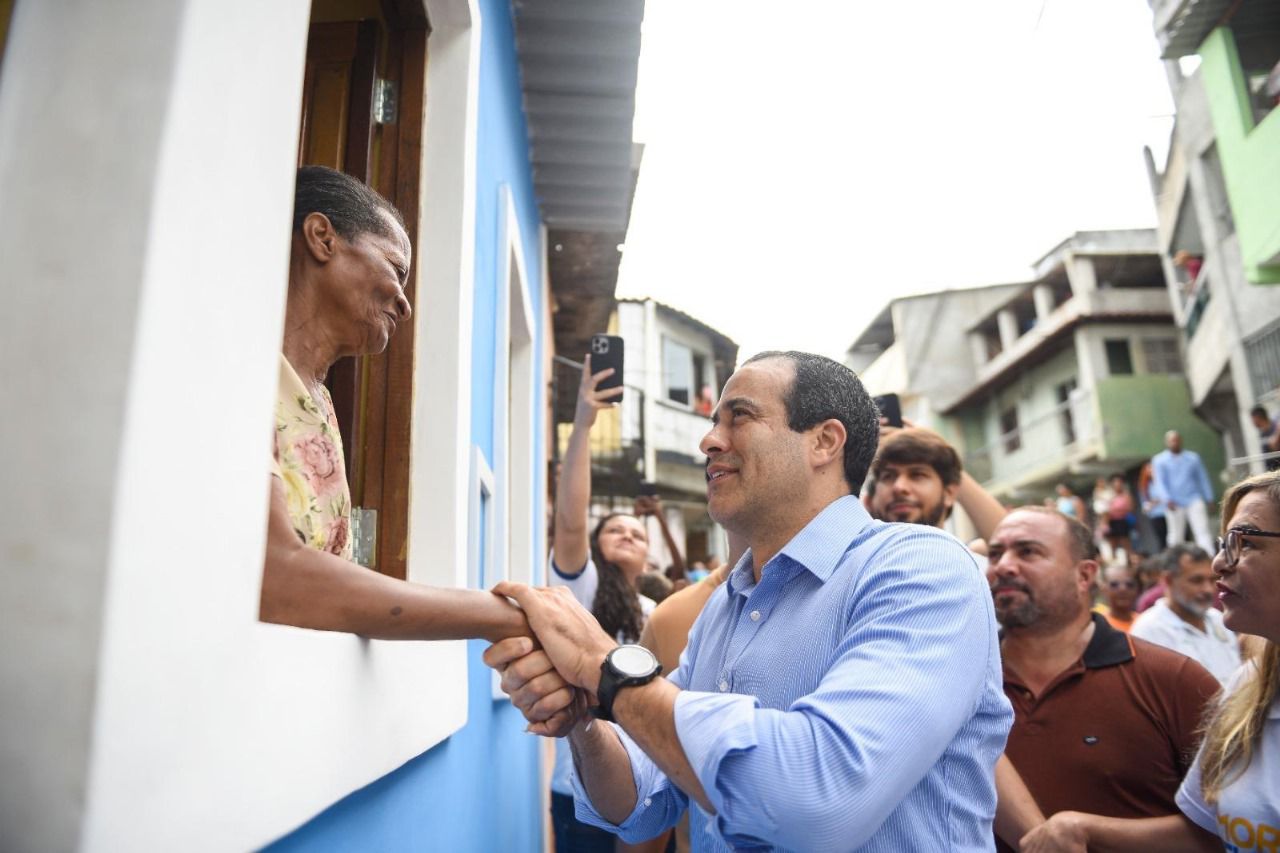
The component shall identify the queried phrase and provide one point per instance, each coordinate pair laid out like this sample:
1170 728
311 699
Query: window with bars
1262 352
1009 434
1161 355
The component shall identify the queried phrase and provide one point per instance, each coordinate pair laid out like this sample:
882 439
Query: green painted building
1238 44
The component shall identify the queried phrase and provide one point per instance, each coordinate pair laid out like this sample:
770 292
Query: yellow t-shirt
308 460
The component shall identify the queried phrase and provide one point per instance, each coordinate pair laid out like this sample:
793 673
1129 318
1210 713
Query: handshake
553 676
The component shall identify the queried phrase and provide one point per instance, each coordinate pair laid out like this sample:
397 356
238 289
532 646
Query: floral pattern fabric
308 460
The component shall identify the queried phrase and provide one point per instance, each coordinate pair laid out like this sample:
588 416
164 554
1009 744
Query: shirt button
648 801
755 615
724 686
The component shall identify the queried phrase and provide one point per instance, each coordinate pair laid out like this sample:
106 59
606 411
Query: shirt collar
818 547
1108 646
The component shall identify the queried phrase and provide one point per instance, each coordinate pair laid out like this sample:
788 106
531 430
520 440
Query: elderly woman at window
347 270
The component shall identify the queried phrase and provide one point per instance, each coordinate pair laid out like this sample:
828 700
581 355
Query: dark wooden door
372 395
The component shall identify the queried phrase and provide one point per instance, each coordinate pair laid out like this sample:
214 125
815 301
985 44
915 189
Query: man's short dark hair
352 206
1259 412
913 446
1174 553
823 389
1079 538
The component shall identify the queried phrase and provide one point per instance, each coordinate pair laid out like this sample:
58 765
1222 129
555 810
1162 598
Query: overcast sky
801 171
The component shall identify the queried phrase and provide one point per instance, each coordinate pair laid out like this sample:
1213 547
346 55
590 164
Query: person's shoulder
1171 670
691 598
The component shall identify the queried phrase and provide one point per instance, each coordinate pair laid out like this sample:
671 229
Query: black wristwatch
625 666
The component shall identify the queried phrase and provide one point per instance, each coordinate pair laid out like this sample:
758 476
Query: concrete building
1065 377
674 368
147 158
680 364
1216 212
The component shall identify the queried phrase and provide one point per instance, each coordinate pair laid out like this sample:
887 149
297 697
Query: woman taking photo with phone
1231 794
600 566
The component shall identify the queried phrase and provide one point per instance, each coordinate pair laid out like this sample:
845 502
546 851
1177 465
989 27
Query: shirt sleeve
1193 698
1190 800
1202 478
659 804
582 583
908 673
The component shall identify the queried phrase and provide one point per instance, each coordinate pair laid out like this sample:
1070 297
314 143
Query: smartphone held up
606 352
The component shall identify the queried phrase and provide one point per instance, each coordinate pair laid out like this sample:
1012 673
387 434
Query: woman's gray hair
352 206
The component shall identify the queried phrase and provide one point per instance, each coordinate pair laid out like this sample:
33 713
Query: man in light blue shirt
1182 485
842 692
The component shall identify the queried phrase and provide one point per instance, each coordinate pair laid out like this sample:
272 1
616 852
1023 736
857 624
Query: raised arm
983 509
573 494
652 505
309 588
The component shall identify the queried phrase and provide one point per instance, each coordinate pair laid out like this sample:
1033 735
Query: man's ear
828 442
1088 570
320 237
949 493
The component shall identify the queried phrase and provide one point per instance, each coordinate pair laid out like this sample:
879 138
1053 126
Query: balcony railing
676 429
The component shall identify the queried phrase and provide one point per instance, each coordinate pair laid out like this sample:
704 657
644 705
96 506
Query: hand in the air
590 398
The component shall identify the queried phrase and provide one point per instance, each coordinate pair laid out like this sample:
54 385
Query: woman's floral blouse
308 460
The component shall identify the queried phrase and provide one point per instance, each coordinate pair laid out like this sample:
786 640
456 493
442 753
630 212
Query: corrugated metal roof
1182 25
578 66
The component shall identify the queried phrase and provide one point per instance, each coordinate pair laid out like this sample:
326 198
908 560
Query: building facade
1071 375
1216 217
148 159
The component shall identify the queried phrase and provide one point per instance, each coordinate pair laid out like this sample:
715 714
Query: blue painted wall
480 789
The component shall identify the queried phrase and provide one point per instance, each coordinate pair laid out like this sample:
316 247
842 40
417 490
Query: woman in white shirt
1231 795
600 567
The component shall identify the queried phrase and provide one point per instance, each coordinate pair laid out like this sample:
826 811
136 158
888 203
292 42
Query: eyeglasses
1229 546
1122 584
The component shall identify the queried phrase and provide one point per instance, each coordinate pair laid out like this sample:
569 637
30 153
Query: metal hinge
386 101
364 536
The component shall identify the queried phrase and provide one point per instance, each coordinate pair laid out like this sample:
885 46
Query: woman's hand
1062 833
590 399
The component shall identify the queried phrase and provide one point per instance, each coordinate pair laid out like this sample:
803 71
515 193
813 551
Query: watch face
632 660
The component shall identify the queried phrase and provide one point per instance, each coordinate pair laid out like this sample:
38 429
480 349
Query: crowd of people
1170 492
854 677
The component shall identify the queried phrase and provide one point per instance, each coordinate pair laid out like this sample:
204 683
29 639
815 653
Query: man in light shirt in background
1184 619
1182 484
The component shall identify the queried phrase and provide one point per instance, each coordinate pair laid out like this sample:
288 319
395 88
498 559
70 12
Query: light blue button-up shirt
1180 477
851 700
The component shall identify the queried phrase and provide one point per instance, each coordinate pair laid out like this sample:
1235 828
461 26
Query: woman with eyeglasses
1231 795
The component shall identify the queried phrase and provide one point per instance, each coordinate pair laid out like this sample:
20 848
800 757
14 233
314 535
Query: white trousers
1198 515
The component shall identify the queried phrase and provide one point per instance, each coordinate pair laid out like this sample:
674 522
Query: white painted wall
145 246
77 190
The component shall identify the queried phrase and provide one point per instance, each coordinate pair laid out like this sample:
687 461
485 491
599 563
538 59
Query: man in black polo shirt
1102 723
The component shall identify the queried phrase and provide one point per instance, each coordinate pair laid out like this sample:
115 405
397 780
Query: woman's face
1250 590
364 293
624 542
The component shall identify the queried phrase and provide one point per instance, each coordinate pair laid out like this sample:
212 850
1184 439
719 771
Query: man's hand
551 705
1062 833
591 400
571 637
